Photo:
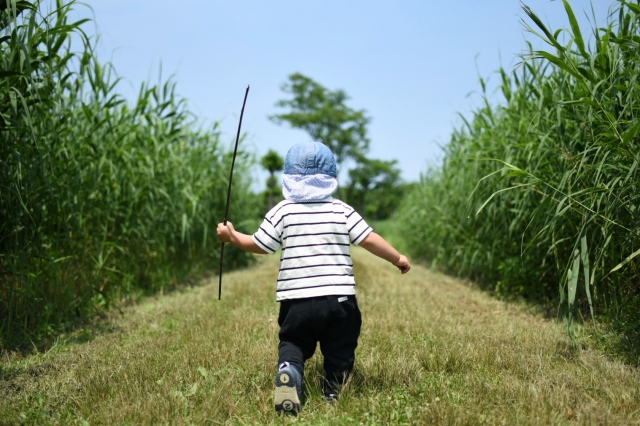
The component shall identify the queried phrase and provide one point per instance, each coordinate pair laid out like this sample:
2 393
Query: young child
316 287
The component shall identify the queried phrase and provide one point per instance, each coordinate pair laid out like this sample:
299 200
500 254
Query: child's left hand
225 232
403 264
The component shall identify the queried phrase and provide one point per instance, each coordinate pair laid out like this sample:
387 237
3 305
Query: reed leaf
575 28
584 257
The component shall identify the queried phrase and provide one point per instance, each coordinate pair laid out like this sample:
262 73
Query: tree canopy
323 114
272 162
374 186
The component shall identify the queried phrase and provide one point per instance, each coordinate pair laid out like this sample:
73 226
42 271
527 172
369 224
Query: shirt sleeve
267 236
358 228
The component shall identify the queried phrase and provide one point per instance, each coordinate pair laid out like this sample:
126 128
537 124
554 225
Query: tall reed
100 198
539 195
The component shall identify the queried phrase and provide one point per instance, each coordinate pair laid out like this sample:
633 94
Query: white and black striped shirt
315 238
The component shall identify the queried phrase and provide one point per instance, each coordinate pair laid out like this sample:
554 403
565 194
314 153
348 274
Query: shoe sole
286 399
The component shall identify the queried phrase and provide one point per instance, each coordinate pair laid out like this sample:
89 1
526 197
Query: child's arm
227 234
377 245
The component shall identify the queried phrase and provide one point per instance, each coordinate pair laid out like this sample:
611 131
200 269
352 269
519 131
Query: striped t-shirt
315 238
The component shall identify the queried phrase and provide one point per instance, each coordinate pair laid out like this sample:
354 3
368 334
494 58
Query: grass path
432 351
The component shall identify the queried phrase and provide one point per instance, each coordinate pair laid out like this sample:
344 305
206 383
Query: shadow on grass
83 330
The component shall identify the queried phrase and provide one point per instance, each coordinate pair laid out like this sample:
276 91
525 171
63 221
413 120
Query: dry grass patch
433 351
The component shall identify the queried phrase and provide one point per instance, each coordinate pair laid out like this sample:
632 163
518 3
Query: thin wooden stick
226 213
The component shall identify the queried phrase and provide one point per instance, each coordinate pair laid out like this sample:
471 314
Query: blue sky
412 65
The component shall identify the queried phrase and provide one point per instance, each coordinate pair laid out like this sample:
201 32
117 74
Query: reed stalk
538 196
101 199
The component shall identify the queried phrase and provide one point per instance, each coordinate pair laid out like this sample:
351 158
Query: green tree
375 187
323 114
272 162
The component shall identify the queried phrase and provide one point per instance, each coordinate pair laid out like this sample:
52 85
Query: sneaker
330 398
288 389
331 390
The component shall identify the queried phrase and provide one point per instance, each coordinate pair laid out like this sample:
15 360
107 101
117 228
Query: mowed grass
433 351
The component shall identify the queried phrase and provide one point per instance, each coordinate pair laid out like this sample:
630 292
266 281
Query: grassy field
433 351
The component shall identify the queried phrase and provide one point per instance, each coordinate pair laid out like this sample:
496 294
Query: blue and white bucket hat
309 172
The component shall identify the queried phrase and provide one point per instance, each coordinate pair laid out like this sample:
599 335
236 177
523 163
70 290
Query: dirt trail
433 350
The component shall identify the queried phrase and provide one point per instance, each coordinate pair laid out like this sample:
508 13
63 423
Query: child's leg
338 341
297 335
297 344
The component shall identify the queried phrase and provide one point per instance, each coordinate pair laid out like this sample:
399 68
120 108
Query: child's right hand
224 232
403 264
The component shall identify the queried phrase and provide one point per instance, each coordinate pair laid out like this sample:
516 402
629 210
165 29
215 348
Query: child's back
315 237
316 286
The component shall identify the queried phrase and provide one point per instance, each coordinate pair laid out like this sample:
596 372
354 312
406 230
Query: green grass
433 351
